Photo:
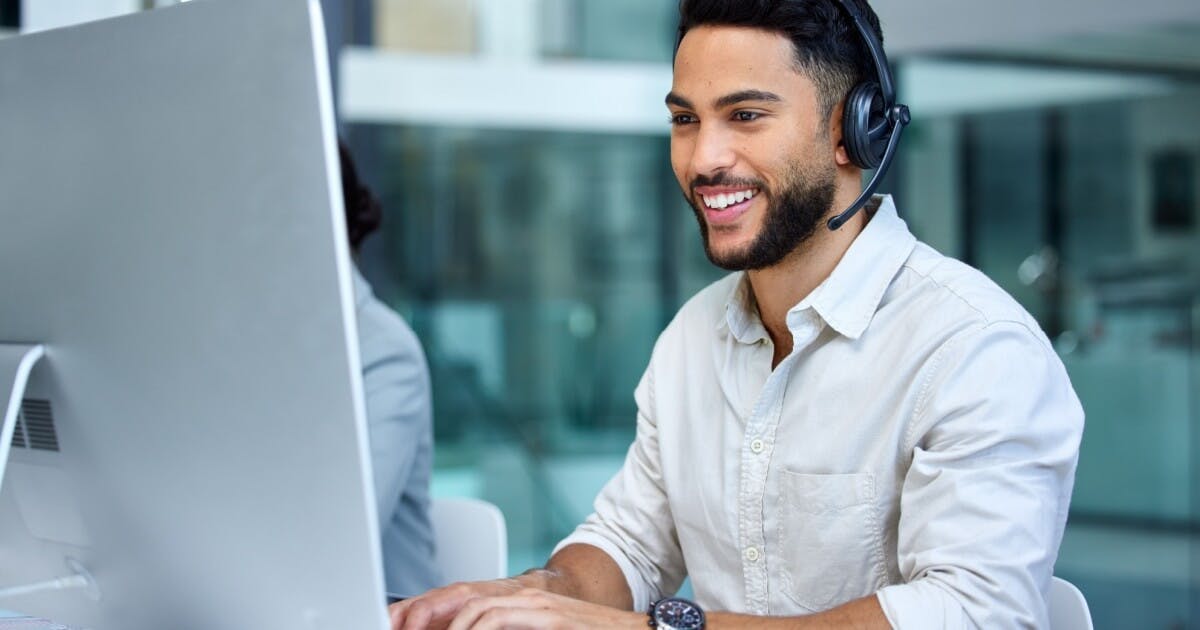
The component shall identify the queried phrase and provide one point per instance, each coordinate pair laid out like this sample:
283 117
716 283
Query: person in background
399 411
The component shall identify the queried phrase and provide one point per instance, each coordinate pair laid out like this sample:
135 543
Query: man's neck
780 287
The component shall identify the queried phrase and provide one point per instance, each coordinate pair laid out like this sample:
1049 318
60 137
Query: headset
872 121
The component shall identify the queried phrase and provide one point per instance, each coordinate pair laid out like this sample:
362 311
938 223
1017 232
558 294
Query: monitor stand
16 361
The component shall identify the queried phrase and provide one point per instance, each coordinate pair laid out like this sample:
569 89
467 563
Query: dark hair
363 212
829 49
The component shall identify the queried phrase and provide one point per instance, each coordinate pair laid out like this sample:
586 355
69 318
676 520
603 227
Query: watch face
679 614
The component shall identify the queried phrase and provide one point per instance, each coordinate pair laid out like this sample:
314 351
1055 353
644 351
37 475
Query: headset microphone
873 121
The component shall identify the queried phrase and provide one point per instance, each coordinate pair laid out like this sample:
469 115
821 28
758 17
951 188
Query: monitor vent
18 440
35 426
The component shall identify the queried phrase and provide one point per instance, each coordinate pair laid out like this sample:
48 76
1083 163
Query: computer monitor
172 231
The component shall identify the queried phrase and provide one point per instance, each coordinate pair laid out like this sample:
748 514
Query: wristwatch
676 613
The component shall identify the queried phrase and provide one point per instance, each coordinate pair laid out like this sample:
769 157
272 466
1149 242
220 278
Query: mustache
723 179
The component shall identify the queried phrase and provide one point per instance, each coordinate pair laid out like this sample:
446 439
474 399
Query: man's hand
603 586
533 609
437 608
505 604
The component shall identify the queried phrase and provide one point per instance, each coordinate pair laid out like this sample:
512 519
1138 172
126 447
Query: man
851 431
399 411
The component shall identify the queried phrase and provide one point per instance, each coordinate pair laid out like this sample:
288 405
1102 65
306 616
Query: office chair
1068 608
472 541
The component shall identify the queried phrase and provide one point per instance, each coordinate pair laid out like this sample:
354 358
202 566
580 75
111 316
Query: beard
792 216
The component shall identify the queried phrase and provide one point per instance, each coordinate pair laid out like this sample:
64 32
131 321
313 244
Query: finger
475 609
502 618
396 615
432 610
402 617
438 607
432 613
413 613
417 618
398 612
472 610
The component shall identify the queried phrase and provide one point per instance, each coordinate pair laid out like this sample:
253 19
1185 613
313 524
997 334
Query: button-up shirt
918 443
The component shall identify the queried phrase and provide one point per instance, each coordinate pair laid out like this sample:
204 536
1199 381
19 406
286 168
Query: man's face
749 145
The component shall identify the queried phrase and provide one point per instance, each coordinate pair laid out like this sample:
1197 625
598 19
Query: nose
713 151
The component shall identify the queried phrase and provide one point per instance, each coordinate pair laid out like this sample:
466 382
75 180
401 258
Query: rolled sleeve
632 521
995 441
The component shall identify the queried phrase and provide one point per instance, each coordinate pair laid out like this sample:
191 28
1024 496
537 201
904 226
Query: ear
835 135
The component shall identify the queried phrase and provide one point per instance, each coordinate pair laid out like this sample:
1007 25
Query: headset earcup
864 110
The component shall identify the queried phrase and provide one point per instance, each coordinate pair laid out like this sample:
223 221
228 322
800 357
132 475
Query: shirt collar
741 313
849 297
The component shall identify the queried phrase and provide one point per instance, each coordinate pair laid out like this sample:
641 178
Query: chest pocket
829 538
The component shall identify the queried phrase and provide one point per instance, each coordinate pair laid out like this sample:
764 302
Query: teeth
725 200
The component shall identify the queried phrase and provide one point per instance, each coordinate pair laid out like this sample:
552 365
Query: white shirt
919 442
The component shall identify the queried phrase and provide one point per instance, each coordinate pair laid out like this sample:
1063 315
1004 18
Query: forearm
582 572
860 614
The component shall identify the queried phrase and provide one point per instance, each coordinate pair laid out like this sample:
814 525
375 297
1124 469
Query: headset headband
859 138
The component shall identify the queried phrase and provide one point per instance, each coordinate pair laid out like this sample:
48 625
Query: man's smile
723 200
725 205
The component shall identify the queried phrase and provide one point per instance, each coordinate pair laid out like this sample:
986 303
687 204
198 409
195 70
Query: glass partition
538 269
1082 204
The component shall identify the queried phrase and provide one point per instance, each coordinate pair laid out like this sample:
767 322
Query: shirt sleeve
995 441
632 521
399 413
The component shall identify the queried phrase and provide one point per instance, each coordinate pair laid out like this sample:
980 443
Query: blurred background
536 240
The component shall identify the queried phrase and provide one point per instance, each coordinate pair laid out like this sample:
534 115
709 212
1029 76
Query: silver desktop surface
171 230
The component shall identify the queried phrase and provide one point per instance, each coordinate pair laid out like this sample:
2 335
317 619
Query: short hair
363 211
829 49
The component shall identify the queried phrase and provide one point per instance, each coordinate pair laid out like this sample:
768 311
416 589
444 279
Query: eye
682 119
745 116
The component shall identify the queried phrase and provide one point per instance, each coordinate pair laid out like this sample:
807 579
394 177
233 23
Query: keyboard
30 623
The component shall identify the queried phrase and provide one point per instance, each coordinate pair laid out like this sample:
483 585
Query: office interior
536 241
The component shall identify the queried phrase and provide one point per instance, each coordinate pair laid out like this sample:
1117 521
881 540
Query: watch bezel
658 623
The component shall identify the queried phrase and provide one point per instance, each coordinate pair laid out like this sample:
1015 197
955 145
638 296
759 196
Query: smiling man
848 431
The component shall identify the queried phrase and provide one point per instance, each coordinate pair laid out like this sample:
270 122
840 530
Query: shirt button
757 446
752 554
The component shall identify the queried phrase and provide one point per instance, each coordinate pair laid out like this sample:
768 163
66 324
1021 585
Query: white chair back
472 541
1068 608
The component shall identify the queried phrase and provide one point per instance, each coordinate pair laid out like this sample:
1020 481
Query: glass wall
612 30
538 269
617 30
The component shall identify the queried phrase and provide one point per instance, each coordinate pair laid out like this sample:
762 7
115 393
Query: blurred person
850 430
399 407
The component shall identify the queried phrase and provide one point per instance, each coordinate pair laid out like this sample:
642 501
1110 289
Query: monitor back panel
172 231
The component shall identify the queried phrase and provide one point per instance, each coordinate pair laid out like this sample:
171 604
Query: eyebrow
727 100
745 95
678 101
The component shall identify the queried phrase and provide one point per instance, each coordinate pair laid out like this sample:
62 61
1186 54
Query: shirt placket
758 443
